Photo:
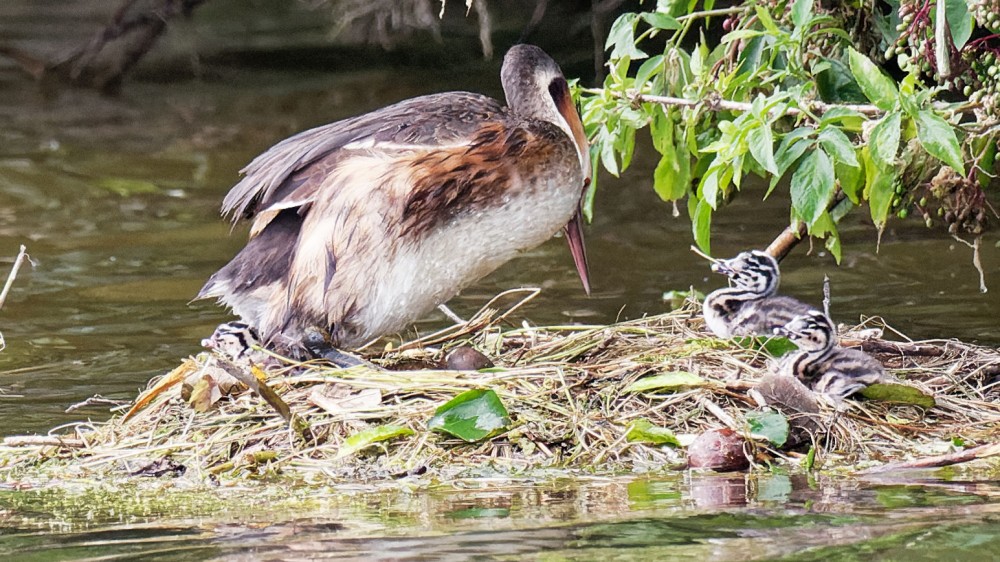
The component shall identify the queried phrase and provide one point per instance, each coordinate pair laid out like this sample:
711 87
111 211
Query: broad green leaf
881 188
849 119
661 130
660 20
900 393
836 143
701 223
939 140
851 179
740 35
877 87
769 425
710 186
959 22
647 69
607 147
643 431
368 437
672 177
761 144
836 84
826 228
802 12
775 346
883 142
675 380
764 16
812 186
471 416
751 55
622 38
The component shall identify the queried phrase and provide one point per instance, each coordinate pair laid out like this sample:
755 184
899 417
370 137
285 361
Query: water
692 517
117 200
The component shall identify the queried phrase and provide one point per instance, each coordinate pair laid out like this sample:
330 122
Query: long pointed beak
574 237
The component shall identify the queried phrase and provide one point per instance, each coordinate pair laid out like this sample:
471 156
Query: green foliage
369 437
672 381
471 416
643 431
769 425
783 94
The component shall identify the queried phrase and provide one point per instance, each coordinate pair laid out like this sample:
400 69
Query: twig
826 295
975 245
96 400
718 104
21 256
936 461
42 441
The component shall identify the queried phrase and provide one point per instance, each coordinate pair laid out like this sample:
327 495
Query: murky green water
117 202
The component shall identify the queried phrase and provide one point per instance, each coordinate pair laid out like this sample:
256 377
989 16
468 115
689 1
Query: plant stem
729 105
712 13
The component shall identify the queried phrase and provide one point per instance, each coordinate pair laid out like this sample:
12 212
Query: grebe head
753 270
810 332
536 88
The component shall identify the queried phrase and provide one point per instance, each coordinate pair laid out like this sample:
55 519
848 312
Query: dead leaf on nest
204 394
363 400
173 377
222 381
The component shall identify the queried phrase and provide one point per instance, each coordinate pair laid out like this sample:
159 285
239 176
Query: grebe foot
318 344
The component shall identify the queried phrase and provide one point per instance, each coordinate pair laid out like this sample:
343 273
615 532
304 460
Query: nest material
564 386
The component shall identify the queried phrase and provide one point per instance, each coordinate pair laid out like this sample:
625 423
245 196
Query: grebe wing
282 177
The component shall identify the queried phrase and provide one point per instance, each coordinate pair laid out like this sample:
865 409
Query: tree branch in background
102 63
794 233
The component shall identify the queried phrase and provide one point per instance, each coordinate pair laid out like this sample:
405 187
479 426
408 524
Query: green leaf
883 142
802 12
368 437
674 380
899 393
761 143
839 146
701 223
643 431
647 69
471 416
849 119
660 20
775 346
881 188
622 38
812 186
959 22
877 87
852 180
836 84
768 425
939 140
607 147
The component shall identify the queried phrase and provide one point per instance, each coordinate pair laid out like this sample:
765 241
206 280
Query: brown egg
465 358
718 449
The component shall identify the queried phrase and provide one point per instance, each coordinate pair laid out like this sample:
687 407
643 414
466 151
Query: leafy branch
785 91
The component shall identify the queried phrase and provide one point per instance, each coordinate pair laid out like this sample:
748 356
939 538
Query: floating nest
571 393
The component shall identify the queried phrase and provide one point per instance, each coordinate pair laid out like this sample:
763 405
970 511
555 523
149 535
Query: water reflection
698 517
